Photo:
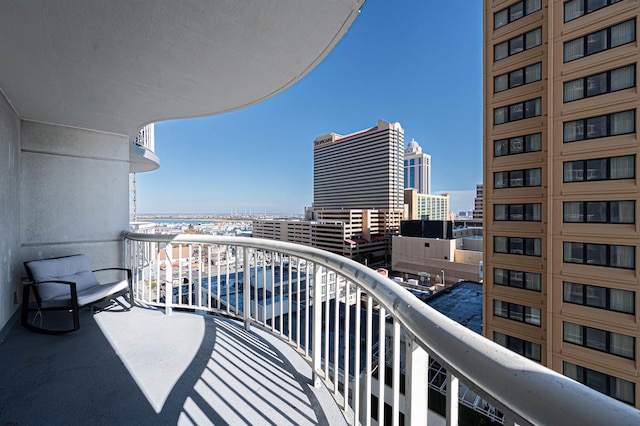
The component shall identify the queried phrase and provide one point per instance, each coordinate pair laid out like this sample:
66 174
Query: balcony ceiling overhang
114 66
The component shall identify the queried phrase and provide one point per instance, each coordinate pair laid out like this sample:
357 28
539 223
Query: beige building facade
426 206
356 234
561 187
460 258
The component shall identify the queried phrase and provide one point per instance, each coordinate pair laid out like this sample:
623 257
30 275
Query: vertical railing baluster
381 363
395 382
280 303
156 256
210 279
316 334
179 301
273 290
368 354
326 286
307 297
416 383
358 355
237 280
199 293
246 305
256 254
452 398
189 279
217 277
347 343
336 337
168 288
264 291
298 289
131 262
226 283
289 303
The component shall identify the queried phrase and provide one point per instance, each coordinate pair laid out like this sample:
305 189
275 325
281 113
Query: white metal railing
146 137
275 285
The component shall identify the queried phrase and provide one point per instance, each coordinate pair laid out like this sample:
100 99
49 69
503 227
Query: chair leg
76 318
24 314
131 298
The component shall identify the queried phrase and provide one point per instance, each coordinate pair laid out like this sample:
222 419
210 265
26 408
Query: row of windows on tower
609 255
573 9
616 212
595 169
589 337
589 44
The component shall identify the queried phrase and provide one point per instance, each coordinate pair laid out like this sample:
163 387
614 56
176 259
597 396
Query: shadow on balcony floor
143 367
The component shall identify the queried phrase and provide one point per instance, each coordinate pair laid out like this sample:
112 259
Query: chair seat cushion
74 268
86 296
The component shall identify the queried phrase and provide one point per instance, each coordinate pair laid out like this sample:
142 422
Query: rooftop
461 302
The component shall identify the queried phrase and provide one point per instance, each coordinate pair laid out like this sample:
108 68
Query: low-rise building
435 250
426 206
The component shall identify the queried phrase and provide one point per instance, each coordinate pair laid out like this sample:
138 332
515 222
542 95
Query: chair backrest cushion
69 268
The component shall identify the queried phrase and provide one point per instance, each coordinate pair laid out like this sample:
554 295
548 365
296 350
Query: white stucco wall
74 193
10 266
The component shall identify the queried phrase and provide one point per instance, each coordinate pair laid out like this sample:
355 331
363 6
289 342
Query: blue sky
416 62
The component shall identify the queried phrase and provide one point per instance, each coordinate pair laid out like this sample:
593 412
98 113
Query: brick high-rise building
561 187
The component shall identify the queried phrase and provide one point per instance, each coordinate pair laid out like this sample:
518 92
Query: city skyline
388 66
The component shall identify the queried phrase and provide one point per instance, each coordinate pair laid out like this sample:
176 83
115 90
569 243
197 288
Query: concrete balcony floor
144 367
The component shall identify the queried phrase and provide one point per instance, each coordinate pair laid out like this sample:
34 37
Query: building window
515 12
518 44
574 9
517 178
600 340
518 212
525 348
610 255
611 299
517 145
619 123
516 312
517 245
519 111
614 387
608 38
600 169
599 84
518 77
599 212
517 279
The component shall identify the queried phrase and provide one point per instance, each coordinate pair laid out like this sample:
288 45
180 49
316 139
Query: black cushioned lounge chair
68 284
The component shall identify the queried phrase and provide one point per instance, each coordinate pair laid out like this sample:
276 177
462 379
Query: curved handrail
524 388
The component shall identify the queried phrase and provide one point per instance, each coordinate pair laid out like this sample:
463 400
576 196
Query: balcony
144 367
142 155
250 306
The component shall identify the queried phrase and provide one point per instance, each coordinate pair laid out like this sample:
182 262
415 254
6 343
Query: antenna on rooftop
134 198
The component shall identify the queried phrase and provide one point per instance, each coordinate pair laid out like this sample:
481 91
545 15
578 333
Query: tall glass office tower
417 169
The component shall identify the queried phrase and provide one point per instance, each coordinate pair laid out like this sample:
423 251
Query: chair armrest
52 281
116 269
71 284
